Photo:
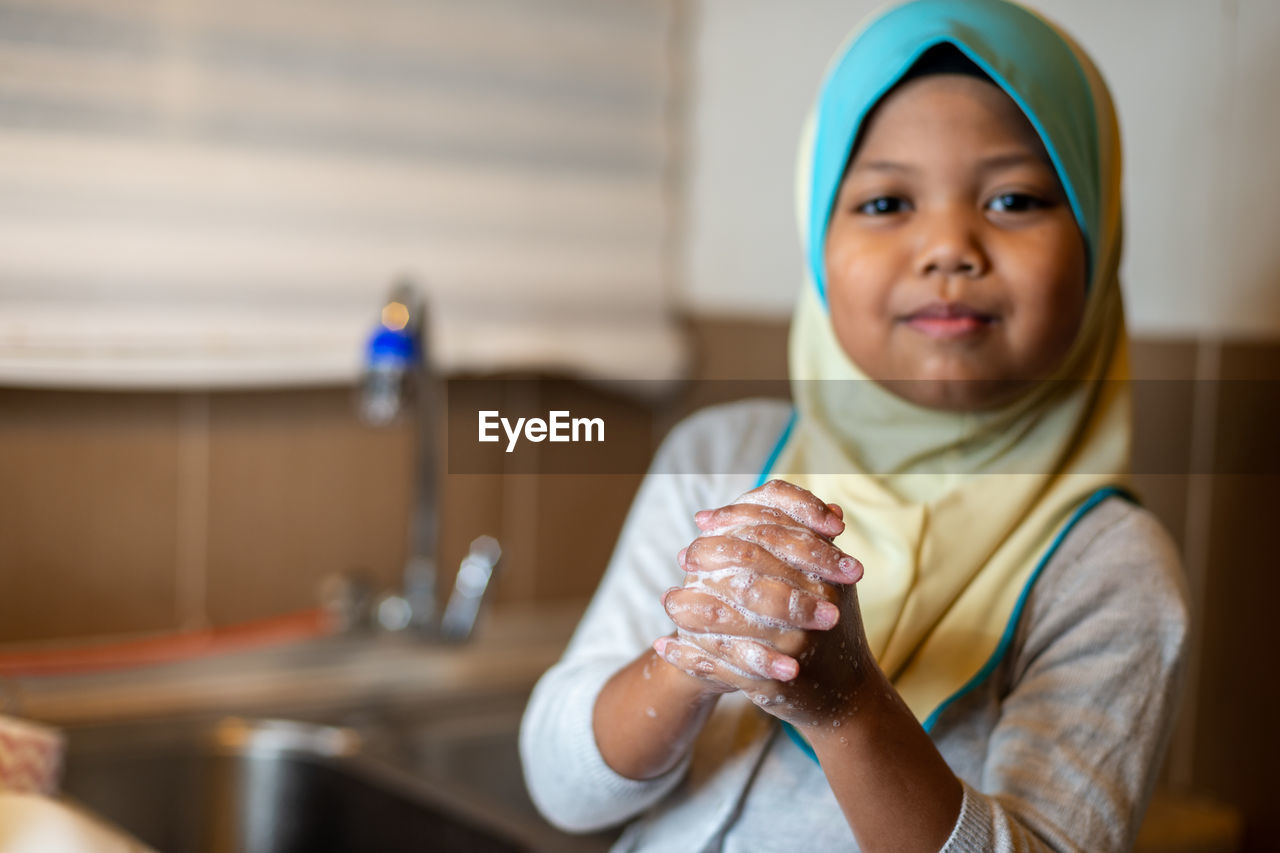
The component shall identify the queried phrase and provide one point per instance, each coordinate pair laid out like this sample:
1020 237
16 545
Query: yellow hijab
953 515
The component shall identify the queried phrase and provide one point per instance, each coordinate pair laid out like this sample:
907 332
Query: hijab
954 514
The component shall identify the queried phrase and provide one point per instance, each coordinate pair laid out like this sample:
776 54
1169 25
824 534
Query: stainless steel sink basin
383 779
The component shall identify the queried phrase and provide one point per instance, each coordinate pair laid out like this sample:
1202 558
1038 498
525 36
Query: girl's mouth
949 320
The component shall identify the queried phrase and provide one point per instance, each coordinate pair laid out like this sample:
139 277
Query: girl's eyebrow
987 164
881 166
1008 161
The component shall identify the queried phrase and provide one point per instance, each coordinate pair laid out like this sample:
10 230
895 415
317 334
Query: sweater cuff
972 832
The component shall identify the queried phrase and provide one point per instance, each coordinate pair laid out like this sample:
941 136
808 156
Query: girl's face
955 269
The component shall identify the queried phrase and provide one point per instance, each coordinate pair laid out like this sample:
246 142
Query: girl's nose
950 246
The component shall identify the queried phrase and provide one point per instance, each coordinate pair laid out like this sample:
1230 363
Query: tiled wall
141 512
123 514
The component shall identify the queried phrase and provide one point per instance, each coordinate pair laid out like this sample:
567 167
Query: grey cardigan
1057 749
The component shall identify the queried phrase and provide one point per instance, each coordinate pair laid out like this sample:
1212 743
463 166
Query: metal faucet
398 377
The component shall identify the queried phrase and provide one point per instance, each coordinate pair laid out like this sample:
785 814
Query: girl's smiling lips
948 320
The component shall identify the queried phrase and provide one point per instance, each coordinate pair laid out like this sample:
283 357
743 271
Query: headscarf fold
953 514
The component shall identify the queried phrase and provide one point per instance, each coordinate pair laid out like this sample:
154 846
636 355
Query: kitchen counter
511 648
333 679
155 750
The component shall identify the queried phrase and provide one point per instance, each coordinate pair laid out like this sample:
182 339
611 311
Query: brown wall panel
298 490
88 504
1238 699
1163 415
579 518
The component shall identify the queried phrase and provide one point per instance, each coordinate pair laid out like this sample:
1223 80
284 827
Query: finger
702 612
734 515
799 503
773 549
712 554
747 657
803 551
697 662
771 599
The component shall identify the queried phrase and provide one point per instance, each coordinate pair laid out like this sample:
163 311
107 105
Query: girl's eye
1016 203
882 205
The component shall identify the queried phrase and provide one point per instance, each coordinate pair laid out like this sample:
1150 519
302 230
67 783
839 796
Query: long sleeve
1071 763
564 771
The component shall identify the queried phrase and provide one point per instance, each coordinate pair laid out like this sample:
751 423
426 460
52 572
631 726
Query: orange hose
168 648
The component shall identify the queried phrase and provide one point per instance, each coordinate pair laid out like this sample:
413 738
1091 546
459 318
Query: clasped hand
769 606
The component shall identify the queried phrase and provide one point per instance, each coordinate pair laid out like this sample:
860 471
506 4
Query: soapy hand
769 606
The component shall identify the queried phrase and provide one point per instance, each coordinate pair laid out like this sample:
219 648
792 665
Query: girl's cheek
1051 321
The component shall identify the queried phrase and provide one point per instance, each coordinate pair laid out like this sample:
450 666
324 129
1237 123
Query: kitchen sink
383 779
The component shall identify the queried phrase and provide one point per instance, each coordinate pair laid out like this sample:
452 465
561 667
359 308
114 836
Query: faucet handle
348 600
474 575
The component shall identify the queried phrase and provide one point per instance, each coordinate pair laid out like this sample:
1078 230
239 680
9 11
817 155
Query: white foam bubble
794 607
754 657
724 639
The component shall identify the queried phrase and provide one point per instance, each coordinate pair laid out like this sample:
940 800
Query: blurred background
203 206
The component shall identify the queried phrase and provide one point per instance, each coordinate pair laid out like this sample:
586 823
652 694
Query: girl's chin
956 394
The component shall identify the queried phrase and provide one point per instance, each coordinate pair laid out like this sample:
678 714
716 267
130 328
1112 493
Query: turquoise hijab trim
1023 53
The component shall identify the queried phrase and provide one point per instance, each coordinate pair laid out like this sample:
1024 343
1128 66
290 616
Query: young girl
1001 674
